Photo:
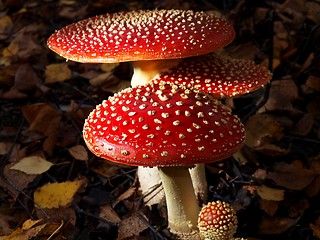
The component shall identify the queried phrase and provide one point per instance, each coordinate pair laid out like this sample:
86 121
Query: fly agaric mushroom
220 76
170 127
217 221
153 40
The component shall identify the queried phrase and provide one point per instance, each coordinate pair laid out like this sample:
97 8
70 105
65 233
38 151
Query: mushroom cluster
168 126
166 119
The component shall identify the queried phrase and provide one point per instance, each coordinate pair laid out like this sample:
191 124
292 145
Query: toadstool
217 221
170 127
220 76
152 39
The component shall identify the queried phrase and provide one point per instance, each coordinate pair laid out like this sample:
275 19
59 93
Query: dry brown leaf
24 45
304 125
25 78
314 187
15 181
108 67
6 25
105 169
43 119
57 72
5 221
102 79
316 228
124 195
57 215
55 195
270 194
292 176
109 214
260 129
282 94
275 225
32 165
5 147
312 85
272 150
313 107
131 226
269 207
79 152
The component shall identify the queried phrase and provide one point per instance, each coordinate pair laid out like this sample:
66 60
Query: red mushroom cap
217 221
142 35
217 75
162 125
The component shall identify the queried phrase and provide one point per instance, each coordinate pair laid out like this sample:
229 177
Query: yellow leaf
79 152
32 165
27 231
29 224
57 72
268 193
55 195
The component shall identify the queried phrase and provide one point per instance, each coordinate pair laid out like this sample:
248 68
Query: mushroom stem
199 181
144 71
182 205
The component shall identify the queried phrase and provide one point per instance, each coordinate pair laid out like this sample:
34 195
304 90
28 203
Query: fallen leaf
292 176
312 85
5 147
282 94
5 225
15 181
25 78
124 195
32 165
316 228
43 119
6 25
131 226
275 224
58 215
26 232
109 214
55 195
24 45
270 194
304 125
314 187
105 169
79 152
57 72
261 129
269 207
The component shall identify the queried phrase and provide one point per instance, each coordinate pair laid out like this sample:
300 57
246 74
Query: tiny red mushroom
218 75
170 127
143 37
217 221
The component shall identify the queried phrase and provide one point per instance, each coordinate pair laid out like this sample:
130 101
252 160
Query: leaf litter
53 188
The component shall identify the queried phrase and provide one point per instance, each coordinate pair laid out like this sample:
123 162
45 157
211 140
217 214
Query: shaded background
273 182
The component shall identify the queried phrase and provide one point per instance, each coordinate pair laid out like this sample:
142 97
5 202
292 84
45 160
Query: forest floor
273 182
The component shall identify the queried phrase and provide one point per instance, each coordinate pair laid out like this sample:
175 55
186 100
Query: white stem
199 181
182 205
150 185
152 193
145 71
